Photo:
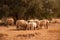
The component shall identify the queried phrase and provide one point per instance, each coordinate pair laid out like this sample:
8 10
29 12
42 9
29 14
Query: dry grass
10 33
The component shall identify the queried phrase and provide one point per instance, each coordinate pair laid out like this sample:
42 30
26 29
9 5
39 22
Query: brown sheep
10 21
21 24
44 23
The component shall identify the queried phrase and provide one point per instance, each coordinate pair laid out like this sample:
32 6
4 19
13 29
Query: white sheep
32 24
1 22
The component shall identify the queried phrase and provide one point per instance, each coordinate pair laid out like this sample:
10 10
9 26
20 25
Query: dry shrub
53 31
24 36
3 36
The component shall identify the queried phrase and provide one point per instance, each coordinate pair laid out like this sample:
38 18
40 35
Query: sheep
32 25
4 21
44 23
21 24
1 22
37 22
10 21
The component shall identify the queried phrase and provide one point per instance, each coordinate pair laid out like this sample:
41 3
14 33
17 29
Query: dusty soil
10 33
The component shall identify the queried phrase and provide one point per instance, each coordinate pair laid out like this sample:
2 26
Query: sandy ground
10 33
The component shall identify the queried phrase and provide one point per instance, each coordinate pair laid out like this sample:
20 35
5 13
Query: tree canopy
25 9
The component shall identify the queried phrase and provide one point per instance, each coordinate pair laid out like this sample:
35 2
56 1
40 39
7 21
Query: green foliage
25 9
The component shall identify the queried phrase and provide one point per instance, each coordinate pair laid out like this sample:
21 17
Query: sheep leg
18 27
34 28
46 25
